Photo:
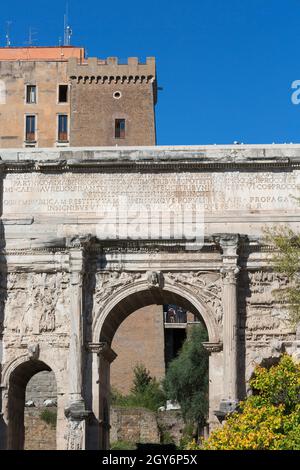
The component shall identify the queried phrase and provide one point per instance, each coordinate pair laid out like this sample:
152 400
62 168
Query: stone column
229 274
75 411
229 271
215 350
101 407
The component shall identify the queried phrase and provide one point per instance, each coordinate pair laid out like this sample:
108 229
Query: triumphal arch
88 236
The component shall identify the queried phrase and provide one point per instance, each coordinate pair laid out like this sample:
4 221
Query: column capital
102 349
228 242
76 411
213 347
230 273
80 242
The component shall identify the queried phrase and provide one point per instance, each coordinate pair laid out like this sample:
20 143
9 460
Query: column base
76 411
227 406
77 416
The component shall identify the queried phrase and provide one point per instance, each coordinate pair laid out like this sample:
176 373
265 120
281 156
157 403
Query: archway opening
152 336
130 306
30 426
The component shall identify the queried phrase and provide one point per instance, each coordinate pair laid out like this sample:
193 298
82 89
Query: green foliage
188 434
122 445
279 385
186 379
267 420
146 392
166 437
49 416
286 260
142 379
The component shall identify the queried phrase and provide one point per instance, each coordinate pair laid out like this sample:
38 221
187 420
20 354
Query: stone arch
15 379
133 297
118 306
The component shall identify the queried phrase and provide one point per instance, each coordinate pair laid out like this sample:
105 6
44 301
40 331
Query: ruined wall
133 425
39 435
141 425
139 339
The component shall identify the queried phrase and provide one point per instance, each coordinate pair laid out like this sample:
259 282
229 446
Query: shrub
146 392
267 420
49 417
122 445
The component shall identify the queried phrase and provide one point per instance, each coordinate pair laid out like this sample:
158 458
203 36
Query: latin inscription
68 193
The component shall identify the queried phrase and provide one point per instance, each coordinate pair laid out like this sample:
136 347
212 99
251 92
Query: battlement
110 70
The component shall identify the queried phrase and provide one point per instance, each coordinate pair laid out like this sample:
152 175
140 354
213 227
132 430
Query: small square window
63 93
120 128
31 94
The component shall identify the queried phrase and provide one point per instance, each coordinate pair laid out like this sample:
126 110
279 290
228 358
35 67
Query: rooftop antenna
67 29
31 34
7 36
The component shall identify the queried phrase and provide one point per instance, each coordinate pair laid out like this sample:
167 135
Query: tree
186 379
141 379
286 260
146 392
267 420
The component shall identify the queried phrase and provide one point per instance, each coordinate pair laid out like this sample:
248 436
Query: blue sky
225 66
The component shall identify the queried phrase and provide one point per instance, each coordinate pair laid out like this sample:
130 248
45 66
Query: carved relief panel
266 316
36 303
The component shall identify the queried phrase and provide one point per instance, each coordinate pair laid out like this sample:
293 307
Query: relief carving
263 286
207 286
75 435
265 314
36 303
154 279
110 283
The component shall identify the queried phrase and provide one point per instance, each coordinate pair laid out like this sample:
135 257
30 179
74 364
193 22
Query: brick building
55 97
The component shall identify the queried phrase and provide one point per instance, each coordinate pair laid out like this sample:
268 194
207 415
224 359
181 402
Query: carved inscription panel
93 193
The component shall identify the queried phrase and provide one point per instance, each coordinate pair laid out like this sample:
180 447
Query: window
30 128
31 94
62 128
120 128
63 93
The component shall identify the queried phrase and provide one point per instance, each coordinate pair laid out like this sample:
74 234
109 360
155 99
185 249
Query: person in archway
171 315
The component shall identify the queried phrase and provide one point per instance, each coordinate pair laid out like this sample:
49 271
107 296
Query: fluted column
76 411
229 274
76 341
229 271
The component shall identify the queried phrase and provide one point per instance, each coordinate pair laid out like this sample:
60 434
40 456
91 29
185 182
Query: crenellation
111 70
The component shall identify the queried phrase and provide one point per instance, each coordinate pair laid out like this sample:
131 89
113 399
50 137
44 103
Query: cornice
171 164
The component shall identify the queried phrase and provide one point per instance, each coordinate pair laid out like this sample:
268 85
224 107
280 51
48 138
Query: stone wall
145 426
139 339
171 425
39 435
41 387
133 425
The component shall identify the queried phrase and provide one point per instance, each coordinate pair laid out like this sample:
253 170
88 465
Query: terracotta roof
41 53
